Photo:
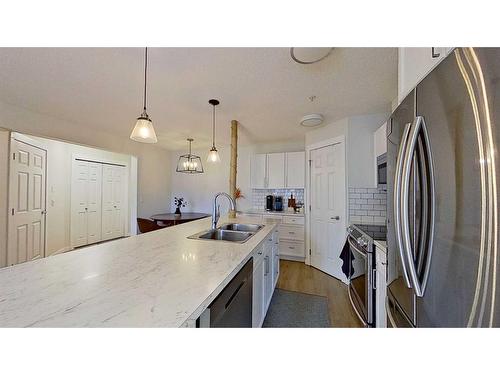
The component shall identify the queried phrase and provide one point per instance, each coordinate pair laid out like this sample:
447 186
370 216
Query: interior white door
113 224
94 202
328 206
26 224
79 199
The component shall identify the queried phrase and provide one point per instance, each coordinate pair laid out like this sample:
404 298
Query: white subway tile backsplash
259 196
367 205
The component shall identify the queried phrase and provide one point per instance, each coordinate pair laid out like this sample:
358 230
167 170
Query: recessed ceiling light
314 119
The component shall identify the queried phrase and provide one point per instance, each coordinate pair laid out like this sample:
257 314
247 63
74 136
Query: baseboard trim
293 257
62 250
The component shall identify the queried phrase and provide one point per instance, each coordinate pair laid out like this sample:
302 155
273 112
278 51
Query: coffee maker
278 203
269 202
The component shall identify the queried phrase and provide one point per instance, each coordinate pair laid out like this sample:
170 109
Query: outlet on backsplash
259 196
367 205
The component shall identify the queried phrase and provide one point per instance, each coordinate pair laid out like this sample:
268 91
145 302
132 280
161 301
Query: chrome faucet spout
216 208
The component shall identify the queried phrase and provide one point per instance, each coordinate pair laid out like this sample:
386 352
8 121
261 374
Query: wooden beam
234 163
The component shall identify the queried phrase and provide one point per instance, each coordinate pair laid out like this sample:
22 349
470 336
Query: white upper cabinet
275 171
380 141
258 170
414 64
278 170
295 169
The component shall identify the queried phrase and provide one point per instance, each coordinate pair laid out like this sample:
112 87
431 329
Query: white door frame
33 142
309 149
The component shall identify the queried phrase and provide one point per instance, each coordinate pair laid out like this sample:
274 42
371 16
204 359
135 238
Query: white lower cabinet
381 287
265 277
291 233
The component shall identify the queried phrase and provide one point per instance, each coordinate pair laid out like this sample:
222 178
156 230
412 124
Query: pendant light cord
145 76
213 128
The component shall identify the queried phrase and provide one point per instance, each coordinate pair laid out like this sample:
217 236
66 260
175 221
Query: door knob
335 218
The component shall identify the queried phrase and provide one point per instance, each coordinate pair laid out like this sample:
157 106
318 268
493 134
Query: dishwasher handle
230 300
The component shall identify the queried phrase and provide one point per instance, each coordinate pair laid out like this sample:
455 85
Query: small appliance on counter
269 202
278 203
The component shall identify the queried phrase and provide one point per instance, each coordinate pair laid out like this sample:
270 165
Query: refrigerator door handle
397 200
418 128
432 204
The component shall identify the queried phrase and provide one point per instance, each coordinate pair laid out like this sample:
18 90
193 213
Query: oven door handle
355 247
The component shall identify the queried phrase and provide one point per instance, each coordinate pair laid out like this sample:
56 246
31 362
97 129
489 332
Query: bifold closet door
86 203
113 225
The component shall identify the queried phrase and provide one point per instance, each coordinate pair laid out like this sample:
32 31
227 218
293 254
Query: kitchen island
156 279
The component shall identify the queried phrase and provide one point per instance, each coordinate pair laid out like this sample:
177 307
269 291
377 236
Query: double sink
232 232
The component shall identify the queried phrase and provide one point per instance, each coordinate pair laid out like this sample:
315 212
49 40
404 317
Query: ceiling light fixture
143 130
189 163
314 119
213 155
308 55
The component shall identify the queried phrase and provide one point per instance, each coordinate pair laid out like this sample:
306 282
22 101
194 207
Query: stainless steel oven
362 281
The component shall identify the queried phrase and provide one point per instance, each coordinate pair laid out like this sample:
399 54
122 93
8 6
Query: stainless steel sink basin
226 235
242 227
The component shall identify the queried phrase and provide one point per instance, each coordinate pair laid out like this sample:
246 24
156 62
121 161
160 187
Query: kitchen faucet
216 208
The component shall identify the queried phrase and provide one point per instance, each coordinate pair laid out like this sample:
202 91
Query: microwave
382 171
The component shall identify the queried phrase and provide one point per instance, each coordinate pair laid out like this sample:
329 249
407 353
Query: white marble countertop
265 212
157 279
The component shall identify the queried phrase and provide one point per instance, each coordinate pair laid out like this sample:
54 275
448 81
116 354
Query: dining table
169 219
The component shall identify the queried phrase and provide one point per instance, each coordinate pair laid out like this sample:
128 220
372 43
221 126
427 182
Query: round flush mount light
309 55
314 119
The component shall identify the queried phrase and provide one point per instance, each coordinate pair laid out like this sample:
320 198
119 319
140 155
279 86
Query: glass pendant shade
213 156
144 131
189 163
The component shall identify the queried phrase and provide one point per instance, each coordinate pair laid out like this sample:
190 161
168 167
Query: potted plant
179 202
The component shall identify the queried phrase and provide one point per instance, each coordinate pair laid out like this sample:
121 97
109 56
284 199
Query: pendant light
189 163
143 130
213 155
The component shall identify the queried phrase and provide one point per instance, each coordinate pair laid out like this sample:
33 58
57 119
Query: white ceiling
262 88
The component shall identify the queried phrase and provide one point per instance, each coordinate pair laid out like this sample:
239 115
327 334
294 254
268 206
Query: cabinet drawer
291 232
297 220
276 218
294 248
258 255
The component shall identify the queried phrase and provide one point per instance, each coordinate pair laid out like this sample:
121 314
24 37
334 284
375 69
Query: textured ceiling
262 88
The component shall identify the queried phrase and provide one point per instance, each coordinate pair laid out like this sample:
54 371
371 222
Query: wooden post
234 163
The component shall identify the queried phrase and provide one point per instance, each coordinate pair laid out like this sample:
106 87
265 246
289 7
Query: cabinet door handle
291 232
335 218
434 53
291 247
267 266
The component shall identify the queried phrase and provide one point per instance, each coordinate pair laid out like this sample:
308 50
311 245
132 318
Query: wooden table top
183 216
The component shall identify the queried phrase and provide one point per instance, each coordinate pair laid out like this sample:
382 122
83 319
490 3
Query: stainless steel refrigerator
442 184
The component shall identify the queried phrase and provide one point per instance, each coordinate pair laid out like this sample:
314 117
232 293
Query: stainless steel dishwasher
232 308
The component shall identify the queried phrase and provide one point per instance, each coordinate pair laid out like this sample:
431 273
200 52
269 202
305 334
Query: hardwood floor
298 277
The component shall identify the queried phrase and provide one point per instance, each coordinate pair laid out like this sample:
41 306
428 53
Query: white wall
360 150
153 172
59 170
199 189
4 184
